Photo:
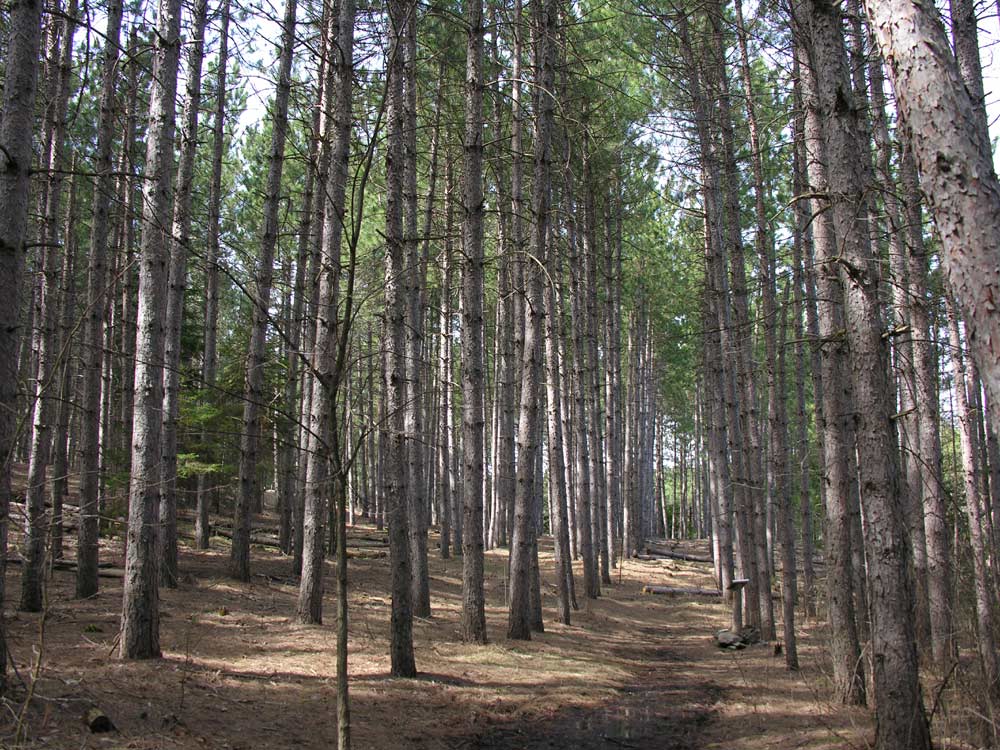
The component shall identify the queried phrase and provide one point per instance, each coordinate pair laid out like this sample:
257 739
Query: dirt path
238 672
656 711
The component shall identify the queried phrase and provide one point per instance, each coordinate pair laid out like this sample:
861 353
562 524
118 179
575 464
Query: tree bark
524 544
324 445
253 391
899 708
394 437
473 374
140 636
93 334
941 125
180 242
47 316
845 649
974 508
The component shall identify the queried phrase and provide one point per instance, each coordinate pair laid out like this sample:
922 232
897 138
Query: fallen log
657 551
681 591
104 570
263 541
97 721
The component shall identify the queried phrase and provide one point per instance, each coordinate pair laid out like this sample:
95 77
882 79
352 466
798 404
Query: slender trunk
845 648
66 371
394 437
473 376
974 508
140 636
92 348
523 545
445 477
557 471
47 315
180 241
413 286
253 390
324 439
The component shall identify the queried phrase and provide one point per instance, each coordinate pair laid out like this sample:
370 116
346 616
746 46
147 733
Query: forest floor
632 671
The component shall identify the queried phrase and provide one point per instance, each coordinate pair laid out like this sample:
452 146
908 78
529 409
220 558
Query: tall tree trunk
253 390
942 124
557 471
845 649
524 544
799 240
47 316
92 348
66 372
974 508
413 285
140 636
394 437
16 120
209 352
777 469
180 242
473 375
445 477
899 709
322 442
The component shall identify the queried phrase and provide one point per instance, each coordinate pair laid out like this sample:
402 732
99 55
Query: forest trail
632 671
655 711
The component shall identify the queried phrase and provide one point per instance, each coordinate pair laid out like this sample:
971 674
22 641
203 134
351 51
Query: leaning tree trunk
253 390
140 636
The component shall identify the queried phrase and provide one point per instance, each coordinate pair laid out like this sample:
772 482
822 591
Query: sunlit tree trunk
941 123
140 635
900 714
845 649
180 242
253 390
524 544
66 372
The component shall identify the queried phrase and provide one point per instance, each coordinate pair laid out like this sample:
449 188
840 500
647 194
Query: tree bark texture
140 636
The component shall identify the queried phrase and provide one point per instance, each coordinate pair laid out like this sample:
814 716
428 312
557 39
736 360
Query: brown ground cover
633 670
